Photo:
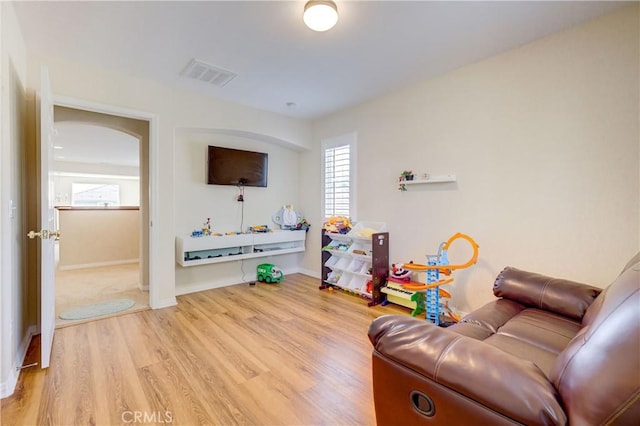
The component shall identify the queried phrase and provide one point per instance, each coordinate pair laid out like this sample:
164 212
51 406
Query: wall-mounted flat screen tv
236 167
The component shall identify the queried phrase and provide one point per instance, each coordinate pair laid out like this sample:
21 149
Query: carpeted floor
93 285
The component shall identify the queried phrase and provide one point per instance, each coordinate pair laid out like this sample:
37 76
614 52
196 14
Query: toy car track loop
446 269
422 287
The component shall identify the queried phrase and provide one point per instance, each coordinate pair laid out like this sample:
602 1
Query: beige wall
174 110
195 201
544 140
91 238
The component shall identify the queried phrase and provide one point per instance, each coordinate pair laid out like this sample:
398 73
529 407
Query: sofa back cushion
563 297
598 374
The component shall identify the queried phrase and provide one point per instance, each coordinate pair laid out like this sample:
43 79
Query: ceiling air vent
202 71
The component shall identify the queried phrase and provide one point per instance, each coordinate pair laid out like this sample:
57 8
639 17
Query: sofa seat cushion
543 359
527 333
542 329
492 316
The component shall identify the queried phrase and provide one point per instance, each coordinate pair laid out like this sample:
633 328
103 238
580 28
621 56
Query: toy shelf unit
431 179
350 261
191 251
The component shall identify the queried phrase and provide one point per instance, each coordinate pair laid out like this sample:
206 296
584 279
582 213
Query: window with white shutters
338 175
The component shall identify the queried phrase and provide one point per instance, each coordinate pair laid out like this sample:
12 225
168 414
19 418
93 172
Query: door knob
33 234
44 234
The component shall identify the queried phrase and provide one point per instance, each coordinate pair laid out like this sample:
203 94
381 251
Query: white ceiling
376 47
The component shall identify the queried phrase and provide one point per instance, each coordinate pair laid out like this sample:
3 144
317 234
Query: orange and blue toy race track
439 264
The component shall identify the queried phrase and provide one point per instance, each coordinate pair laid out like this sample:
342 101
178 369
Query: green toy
269 273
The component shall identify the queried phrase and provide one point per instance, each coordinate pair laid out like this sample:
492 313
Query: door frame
152 119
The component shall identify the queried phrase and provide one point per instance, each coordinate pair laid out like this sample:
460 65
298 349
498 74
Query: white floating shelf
192 251
431 179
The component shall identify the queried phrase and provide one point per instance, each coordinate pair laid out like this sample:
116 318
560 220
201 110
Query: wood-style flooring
268 354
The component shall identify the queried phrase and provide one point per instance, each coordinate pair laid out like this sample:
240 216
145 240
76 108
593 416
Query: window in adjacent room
339 176
95 194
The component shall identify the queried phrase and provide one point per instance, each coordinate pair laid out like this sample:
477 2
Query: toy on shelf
399 274
289 219
337 246
303 225
439 264
337 225
364 232
204 231
259 229
269 273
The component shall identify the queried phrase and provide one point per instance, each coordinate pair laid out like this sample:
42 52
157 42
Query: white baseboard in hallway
9 385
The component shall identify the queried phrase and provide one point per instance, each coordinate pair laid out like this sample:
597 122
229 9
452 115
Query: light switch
12 209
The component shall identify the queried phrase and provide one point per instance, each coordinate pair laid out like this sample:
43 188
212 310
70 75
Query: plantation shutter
337 181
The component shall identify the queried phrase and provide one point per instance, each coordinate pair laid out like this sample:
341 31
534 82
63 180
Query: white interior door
47 232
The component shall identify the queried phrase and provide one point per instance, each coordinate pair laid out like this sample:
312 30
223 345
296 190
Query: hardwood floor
285 354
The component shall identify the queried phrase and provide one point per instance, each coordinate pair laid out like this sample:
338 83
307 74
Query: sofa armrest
564 297
502 382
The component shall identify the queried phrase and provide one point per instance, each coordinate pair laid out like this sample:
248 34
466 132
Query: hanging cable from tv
241 200
241 184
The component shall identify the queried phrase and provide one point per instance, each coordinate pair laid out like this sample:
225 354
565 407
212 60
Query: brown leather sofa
547 351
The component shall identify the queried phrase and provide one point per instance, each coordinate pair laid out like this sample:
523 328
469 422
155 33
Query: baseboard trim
309 272
209 285
165 303
9 386
97 264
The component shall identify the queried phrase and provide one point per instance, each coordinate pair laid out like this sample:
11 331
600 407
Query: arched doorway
102 198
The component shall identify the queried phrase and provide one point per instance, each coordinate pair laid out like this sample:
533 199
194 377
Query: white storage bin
332 261
343 263
334 277
361 249
358 282
338 246
356 265
365 269
364 230
344 281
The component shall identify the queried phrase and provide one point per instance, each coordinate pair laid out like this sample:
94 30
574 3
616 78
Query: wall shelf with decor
191 251
350 261
431 179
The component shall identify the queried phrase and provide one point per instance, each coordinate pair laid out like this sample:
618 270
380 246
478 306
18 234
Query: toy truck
269 273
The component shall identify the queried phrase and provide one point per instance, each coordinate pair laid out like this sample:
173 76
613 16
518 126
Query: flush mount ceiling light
320 15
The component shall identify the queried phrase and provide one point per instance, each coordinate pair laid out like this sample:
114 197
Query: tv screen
236 167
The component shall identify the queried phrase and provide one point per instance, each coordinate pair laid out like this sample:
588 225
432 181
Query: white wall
5 250
544 140
174 109
195 201
15 319
69 172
